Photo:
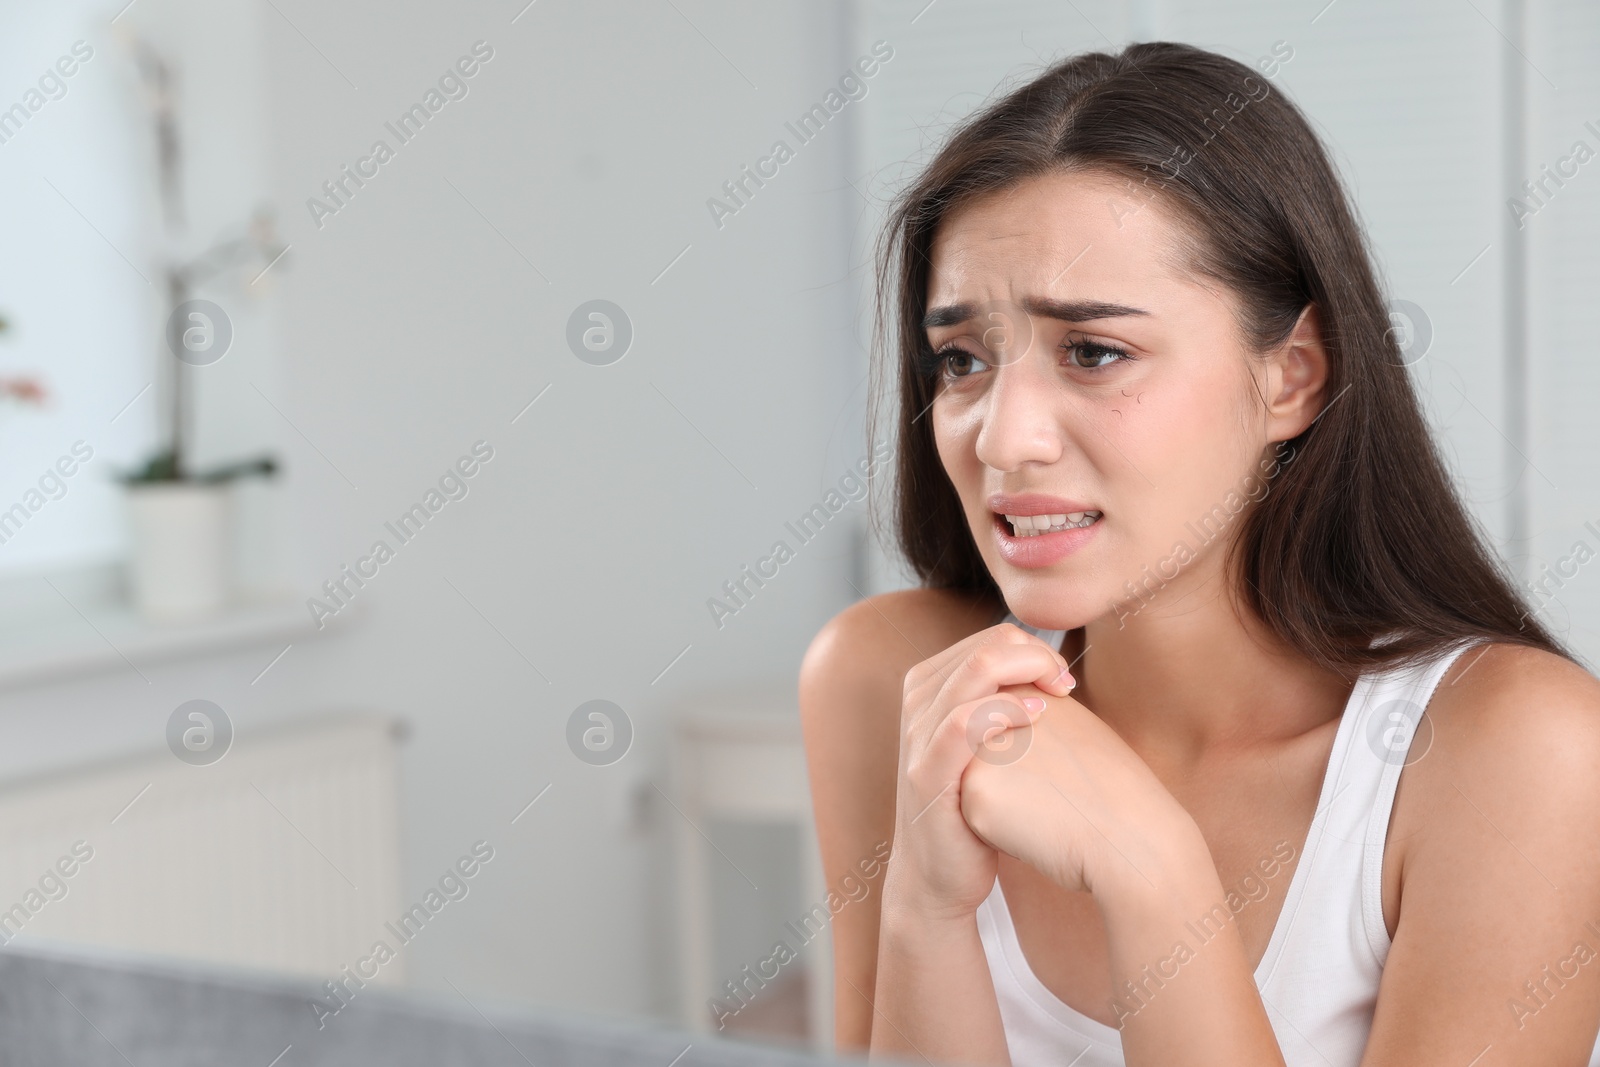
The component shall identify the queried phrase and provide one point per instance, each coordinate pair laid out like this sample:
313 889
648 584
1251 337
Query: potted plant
179 517
181 531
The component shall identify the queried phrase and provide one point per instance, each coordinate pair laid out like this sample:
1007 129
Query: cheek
955 436
1189 438
1181 454
1180 448
955 429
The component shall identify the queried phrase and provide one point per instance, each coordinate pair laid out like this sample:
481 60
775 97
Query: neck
1196 671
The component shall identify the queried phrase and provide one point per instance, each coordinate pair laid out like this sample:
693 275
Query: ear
1297 376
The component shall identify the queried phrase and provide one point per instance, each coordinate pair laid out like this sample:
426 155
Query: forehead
1058 233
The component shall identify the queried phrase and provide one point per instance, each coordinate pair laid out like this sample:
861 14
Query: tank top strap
1395 732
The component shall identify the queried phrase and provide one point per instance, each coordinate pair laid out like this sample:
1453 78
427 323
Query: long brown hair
1363 534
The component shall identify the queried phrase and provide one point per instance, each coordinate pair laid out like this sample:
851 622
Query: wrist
909 897
1174 872
907 930
925 914
905 907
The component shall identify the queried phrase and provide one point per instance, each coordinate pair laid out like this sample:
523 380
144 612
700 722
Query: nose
1022 422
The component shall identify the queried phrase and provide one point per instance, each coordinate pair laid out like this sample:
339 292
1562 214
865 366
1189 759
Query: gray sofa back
69 1006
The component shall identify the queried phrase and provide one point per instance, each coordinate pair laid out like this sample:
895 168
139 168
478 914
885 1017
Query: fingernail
1066 675
1033 703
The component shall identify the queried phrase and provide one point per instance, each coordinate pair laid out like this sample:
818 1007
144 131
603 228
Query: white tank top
1319 976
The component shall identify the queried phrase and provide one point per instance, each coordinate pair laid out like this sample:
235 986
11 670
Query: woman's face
1079 370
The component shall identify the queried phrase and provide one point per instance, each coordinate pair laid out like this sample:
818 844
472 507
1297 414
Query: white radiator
282 855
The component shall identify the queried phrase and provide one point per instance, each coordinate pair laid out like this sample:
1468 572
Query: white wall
609 515
408 327
1563 240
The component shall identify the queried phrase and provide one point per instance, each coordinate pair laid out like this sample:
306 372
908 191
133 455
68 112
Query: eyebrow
1064 310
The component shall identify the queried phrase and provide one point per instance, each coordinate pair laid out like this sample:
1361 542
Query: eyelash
933 363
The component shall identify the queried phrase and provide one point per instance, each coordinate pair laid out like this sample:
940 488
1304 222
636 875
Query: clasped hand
995 756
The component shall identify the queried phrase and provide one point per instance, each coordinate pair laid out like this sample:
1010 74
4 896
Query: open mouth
1034 525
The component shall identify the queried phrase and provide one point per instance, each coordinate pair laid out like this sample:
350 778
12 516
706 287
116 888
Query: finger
986 668
926 679
990 666
1028 689
936 668
971 729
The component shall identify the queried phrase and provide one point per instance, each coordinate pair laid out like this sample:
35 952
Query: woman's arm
851 683
1496 953
1182 967
922 978
1080 806
935 997
935 992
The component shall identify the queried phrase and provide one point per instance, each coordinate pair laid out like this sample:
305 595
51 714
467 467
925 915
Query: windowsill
69 625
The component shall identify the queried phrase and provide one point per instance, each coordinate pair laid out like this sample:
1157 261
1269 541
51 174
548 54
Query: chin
1046 603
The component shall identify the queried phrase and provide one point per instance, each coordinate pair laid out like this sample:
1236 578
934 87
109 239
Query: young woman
1153 427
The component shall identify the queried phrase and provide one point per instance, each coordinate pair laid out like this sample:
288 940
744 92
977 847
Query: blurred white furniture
737 756
282 855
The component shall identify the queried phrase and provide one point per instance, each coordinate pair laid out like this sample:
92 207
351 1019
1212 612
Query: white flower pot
180 565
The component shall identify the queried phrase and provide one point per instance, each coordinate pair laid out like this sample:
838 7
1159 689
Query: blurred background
577 346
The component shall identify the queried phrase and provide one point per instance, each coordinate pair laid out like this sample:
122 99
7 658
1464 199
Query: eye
1095 356
951 361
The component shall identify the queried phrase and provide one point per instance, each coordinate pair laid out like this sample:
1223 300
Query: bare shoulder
1523 710
880 638
853 672
1515 730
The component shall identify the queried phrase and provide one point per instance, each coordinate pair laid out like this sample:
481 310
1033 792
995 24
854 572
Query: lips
1035 504
1035 530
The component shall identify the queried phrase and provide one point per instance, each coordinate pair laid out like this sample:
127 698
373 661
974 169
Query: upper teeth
1033 525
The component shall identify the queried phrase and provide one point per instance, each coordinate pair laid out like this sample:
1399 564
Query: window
77 284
